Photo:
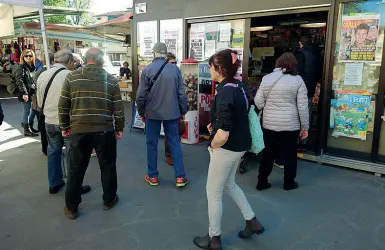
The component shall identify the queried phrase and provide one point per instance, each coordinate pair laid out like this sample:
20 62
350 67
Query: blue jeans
171 129
54 154
32 115
26 110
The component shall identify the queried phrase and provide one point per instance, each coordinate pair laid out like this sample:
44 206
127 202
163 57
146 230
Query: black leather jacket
22 77
1 115
309 67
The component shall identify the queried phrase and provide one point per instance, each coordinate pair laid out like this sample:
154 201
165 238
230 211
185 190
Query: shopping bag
257 144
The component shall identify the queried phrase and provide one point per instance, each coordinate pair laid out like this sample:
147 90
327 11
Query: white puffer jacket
286 108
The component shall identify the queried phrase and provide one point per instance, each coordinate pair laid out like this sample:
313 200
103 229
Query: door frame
328 94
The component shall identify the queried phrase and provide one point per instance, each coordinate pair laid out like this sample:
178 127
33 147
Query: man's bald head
94 56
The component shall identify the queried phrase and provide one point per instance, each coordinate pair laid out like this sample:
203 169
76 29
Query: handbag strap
234 85
48 87
153 81
271 88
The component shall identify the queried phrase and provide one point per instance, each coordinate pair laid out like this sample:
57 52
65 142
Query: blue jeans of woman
26 110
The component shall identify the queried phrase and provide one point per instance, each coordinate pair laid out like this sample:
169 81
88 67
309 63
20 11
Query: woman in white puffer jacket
282 97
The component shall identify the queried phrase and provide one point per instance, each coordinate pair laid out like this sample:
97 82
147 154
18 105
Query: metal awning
63 31
116 27
49 11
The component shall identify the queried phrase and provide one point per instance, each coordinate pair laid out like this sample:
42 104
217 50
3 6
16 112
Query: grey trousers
221 177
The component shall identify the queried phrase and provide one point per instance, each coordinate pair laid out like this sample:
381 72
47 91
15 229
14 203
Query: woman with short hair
282 97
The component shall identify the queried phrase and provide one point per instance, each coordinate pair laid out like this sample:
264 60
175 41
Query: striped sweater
90 101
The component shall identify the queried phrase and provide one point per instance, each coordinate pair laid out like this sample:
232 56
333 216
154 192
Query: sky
101 6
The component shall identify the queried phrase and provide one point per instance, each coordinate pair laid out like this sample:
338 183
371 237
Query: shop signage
140 8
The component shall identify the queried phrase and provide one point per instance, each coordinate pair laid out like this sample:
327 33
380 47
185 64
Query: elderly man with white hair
49 86
92 115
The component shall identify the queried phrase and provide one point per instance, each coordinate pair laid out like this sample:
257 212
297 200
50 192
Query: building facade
348 106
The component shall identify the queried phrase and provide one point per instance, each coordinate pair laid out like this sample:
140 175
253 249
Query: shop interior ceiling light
264 28
313 25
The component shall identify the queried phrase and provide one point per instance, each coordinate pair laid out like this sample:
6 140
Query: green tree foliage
56 3
85 18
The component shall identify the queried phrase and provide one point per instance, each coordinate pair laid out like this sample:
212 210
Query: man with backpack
161 99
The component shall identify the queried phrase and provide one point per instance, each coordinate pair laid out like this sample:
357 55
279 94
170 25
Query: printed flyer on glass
359 34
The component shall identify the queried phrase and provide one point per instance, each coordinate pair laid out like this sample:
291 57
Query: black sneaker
263 185
112 204
55 189
290 186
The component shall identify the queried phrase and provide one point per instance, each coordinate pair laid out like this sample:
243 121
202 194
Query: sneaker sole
181 184
151 183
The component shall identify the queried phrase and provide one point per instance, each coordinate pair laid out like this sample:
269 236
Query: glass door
354 124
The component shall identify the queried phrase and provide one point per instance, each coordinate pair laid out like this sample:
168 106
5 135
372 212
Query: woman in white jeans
230 138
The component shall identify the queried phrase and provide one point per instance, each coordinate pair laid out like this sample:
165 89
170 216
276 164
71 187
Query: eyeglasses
173 63
30 56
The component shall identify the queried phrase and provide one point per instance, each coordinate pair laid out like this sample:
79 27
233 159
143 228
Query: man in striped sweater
91 113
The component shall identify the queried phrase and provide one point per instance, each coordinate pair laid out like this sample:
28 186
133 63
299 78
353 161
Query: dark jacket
21 77
1 115
126 71
90 101
229 113
167 99
309 67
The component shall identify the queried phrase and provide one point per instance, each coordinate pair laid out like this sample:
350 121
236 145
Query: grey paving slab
334 209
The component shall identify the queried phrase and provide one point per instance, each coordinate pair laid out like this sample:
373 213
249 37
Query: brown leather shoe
70 214
112 204
253 226
206 242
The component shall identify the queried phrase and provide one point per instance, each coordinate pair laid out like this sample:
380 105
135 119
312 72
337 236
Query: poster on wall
147 42
238 40
197 40
212 31
210 48
225 32
196 49
359 35
353 74
240 58
171 41
352 114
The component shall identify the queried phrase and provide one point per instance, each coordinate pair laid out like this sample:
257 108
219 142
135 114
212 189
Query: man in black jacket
308 59
309 68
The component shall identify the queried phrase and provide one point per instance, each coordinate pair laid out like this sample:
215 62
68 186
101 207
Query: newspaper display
359 35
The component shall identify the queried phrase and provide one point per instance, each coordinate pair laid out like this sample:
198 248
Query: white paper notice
353 74
197 41
225 32
222 46
209 48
